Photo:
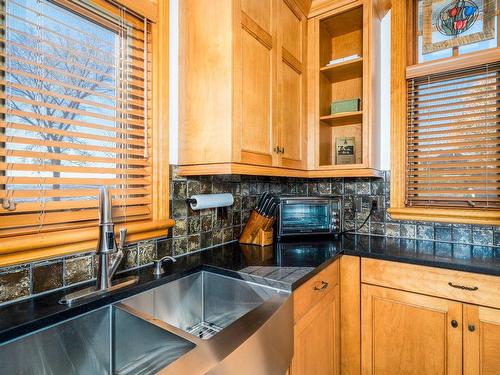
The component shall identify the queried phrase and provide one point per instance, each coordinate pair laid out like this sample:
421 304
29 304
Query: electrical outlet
358 204
377 203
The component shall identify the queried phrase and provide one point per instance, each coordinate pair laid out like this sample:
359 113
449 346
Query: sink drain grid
204 330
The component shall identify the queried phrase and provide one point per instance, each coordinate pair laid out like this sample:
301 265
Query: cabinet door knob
454 323
471 327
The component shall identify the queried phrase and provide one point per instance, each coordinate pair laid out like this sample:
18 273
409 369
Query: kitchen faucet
108 252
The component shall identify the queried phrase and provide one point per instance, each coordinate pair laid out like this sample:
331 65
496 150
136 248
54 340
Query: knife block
258 231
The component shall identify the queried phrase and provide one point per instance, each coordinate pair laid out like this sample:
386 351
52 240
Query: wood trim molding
146 8
398 102
350 314
256 31
446 215
247 169
321 6
291 61
21 249
457 62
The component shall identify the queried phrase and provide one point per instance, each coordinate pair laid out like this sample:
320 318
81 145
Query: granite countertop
286 265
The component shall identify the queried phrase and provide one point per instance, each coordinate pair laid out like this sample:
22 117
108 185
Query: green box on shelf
348 105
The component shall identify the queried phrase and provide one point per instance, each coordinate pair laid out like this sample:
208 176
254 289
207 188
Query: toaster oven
309 215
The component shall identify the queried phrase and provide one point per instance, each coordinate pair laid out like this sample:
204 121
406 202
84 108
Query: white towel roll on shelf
203 201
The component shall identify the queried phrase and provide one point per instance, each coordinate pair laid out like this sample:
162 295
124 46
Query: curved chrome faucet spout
108 253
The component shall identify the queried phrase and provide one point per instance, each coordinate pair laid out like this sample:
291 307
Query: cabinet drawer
314 290
460 286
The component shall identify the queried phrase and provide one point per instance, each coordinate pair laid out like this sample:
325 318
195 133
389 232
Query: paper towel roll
203 201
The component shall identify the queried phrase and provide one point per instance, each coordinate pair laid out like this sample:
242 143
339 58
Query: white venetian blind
75 115
453 151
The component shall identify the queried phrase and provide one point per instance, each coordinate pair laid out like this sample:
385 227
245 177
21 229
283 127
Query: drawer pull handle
463 287
454 323
472 327
323 286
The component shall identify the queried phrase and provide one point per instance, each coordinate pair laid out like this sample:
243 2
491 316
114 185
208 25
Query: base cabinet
317 327
408 333
417 331
481 340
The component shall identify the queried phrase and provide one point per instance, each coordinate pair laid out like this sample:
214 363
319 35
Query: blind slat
96 181
47 206
50 156
73 135
69 145
72 193
47 93
453 139
449 98
73 169
48 218
69 110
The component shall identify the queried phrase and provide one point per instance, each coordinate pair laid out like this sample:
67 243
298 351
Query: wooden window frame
32 247
403 58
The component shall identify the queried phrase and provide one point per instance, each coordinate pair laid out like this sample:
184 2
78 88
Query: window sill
447 215
29 248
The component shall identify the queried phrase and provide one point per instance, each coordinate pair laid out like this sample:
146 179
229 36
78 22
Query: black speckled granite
461 257
285 265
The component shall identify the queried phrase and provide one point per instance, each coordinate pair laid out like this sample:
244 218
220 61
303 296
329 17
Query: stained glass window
452 27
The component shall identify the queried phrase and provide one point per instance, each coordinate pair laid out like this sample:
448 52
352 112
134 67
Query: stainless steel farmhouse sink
105 341
203 303
239 327
204 323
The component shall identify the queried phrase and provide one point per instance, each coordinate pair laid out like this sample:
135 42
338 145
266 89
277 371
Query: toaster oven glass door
305 218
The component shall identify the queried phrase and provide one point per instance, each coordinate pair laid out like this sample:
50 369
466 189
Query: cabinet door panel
317 339
481 340
407 333
256 124
291 27
260 12
291 124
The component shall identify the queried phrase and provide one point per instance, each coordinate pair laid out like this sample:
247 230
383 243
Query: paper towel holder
221 212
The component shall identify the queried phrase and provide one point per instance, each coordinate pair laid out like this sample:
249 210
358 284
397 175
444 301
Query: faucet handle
123 236
158 264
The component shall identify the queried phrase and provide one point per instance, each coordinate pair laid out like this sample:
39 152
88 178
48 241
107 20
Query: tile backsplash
197 230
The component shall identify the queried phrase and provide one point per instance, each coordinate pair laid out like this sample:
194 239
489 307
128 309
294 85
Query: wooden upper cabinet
292 122
343 46
481 340
256 98
242 87
408 333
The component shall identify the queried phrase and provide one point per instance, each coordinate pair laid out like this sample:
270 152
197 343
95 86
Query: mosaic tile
482 237
47 276
147 252
78 269
14 282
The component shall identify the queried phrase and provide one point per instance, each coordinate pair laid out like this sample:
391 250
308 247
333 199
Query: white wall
385 87
385 93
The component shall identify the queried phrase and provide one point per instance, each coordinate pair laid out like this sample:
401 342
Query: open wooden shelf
344 70
341 119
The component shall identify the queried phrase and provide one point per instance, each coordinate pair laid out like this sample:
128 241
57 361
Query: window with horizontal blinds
453 139
76 113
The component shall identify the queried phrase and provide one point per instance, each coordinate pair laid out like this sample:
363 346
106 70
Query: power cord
373 209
